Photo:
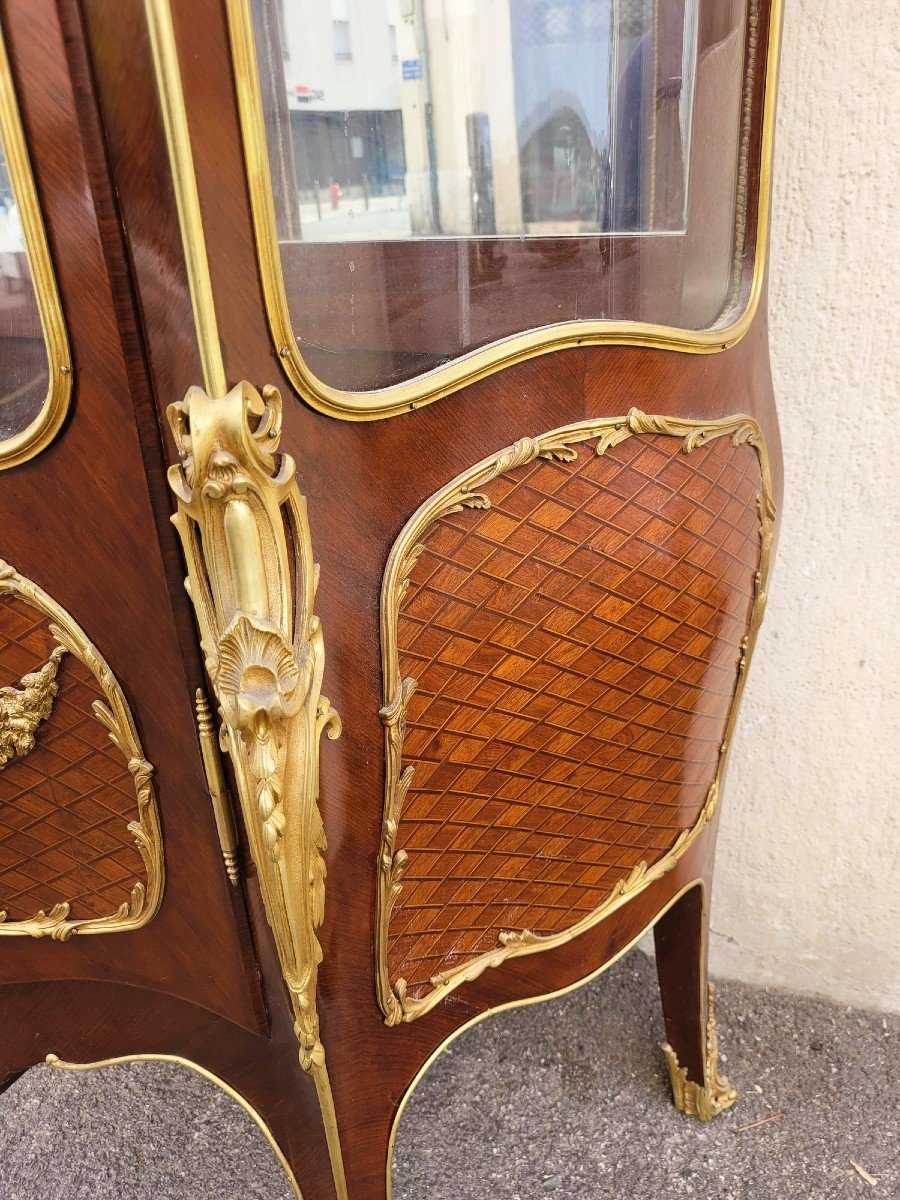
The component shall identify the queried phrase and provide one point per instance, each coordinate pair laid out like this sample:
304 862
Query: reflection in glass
513 117
23 356
447 173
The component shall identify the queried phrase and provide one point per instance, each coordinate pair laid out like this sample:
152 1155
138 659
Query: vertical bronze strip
187 197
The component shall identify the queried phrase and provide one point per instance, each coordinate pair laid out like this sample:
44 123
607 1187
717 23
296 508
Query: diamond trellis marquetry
576 627
80 846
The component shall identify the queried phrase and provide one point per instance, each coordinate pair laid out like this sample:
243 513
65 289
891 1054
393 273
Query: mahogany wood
79 521
202 981
680 937
66 805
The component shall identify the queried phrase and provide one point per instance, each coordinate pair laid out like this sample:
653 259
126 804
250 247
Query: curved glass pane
24 376
447 173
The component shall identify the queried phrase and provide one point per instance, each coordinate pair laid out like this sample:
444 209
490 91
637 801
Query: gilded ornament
233 503
23 709
253 586
702 1100
218 790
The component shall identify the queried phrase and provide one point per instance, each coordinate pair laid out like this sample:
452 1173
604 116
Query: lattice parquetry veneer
565 629
80 842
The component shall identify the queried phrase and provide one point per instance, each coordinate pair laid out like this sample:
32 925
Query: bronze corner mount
715 1094
252 579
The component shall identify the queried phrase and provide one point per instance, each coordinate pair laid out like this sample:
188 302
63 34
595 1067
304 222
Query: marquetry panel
575 629
74 854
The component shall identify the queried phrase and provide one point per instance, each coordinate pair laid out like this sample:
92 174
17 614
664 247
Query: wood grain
88 520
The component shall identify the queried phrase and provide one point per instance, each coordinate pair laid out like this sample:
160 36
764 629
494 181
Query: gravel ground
567 1098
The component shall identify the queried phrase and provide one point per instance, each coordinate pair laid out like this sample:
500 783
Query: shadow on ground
565 1099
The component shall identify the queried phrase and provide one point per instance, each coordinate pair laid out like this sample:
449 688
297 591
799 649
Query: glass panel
451 172
23 355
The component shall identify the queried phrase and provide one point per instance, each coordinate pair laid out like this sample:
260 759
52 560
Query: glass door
415 165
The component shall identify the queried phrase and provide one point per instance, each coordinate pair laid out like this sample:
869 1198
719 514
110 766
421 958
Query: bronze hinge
218 789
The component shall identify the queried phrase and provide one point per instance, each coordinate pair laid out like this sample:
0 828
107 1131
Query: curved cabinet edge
27 443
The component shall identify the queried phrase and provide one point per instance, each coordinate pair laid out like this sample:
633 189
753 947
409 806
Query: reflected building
521 142
481 117
343 95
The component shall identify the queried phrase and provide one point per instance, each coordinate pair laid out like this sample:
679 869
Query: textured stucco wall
808 873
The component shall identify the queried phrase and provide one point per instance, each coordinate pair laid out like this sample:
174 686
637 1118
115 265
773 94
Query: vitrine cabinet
428 343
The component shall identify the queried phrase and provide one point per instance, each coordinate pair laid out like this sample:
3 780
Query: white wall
370 80
808 873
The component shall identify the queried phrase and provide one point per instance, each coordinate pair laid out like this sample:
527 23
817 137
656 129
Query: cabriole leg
688 1000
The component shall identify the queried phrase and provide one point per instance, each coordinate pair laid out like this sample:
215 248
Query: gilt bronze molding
43 429
464 493
715 1094
24 709
217 787
252 580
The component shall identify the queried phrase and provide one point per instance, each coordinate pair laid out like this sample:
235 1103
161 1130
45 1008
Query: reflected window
480 168
342 51
570 91
23 355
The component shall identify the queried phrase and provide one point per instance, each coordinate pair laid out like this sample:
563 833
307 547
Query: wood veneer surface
362 482
65 806
576 649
